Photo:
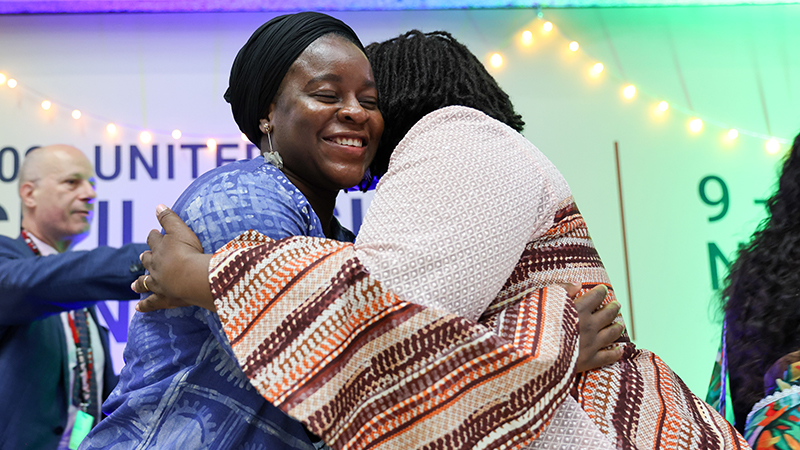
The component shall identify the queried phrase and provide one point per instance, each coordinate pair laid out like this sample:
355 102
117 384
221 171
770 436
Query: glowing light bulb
733 134
211 144
244 137
46 105
76 114
596 69
663 106
176 134
527 37
145 137
2 78
111 128
629 91
547 27
574 46
695 125
496 60
773 146
12 83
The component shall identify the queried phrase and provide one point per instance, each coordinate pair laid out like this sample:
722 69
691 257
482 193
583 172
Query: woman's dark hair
762 297
418 73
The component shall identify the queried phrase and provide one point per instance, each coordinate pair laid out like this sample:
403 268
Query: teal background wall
732 66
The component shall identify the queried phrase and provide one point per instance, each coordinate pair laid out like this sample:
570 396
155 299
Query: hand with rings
144 280
177 267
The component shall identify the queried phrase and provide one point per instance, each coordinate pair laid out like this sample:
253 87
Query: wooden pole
624 241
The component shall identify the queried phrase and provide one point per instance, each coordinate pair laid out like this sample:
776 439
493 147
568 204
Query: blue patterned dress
180 388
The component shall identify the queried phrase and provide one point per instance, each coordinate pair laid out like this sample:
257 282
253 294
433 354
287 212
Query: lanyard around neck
83 350
31 245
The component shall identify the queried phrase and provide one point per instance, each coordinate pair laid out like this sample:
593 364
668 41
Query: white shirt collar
44 249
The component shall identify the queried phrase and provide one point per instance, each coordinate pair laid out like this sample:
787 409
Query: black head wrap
261 64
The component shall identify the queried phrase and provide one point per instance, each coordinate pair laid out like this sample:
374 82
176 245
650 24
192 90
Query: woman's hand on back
596 327
177 266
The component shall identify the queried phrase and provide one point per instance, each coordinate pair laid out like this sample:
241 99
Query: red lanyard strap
84 390
32 245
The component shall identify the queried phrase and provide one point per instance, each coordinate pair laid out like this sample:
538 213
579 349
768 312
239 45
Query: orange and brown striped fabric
638 402
323 341
363 369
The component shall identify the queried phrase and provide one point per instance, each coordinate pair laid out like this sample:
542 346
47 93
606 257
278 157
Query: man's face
64 196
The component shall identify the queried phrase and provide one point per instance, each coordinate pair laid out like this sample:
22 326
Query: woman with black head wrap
302 90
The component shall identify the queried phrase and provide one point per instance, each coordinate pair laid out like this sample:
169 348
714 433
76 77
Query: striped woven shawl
322 340
325 342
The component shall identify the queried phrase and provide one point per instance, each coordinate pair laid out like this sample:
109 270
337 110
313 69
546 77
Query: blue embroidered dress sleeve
181 387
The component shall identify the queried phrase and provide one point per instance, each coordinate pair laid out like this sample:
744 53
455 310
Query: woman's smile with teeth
352 142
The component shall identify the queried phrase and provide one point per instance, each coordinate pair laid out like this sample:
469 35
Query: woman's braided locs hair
418 73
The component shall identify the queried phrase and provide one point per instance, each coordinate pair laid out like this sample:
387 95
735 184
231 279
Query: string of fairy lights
695 123
145 136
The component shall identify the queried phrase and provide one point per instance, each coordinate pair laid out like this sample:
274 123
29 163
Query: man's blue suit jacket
33 349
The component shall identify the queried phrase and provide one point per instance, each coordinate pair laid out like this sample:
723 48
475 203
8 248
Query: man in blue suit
55 368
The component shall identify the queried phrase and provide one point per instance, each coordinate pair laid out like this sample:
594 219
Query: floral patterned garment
774 422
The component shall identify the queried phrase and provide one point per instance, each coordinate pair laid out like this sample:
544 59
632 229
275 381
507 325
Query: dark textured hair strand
418 73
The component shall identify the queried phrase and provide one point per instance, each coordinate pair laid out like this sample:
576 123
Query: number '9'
721 198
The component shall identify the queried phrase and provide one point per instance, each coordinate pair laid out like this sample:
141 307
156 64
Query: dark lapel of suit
61 337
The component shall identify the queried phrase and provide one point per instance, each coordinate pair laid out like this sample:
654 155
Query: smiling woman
325 123
301 89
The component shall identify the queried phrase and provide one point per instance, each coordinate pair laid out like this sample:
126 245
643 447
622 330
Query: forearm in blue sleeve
33 288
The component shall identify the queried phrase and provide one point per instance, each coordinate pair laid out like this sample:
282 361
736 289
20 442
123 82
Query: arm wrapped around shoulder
324 341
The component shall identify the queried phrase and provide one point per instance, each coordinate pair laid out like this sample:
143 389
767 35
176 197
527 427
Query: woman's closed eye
327 97
368 103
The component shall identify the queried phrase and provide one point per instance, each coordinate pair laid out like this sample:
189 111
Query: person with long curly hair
762 312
